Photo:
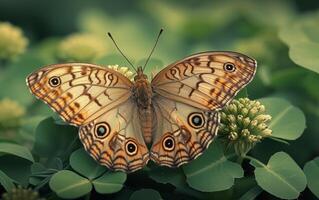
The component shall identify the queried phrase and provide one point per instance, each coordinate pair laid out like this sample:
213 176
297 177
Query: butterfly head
140 74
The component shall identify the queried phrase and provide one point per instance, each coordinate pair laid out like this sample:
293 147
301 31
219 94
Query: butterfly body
123 124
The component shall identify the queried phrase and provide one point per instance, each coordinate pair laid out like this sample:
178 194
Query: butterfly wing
189 91
115 139
182 132
90 96
206 80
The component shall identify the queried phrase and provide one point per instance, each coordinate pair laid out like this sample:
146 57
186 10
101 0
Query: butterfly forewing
206 80
79 92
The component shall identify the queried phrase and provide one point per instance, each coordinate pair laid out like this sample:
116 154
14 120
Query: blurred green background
283 36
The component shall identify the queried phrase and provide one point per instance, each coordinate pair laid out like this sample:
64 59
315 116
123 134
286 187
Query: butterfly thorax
142 90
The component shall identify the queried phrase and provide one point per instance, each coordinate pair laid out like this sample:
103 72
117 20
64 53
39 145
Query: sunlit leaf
81 162
306 54
69 185
110 182
311 170
288 122
213 167
281 177
303 43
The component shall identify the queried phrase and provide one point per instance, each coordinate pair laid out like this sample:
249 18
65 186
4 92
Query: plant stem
256 161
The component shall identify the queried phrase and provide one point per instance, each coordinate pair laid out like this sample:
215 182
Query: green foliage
110 182
6 181
69 185
288 122
214 168
304 43
281 177
41 152
81 162
17 150
146 194
311 170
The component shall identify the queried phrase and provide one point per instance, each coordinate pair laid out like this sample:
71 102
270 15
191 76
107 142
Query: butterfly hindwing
182 132
207 80
115 139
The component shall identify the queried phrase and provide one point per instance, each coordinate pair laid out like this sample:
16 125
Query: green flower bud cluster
10 113
81 48
123 70
12 41
243 124
20 193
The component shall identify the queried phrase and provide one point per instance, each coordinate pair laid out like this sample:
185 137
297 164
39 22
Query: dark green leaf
165 175
146 194
17 168
54 140
6 181
252 193
82 162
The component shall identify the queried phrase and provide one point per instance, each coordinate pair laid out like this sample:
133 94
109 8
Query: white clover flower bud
123 70
81 48
12 41
244 123
245 132
11 113
253 111
231 118
267 132
233 135
253 123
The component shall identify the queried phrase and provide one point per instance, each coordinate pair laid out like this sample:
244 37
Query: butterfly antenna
159 34
109 34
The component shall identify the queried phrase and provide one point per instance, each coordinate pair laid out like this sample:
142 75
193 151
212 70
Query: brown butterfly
122 124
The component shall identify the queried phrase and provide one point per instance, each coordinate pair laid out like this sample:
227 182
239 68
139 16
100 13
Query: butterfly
123 124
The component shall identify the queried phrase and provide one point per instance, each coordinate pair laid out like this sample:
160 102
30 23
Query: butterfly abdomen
145 116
